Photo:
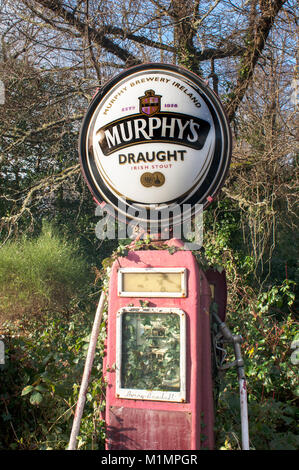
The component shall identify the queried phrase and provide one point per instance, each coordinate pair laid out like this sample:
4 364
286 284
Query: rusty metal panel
145 429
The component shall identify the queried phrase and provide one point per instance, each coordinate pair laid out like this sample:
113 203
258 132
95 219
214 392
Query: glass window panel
150 351
152 282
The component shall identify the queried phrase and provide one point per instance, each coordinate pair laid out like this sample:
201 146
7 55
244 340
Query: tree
70 48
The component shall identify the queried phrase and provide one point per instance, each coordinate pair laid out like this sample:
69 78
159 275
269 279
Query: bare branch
256 43
97 36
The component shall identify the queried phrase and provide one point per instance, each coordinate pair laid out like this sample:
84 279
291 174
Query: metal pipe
237 341
86 374
244 414
243 393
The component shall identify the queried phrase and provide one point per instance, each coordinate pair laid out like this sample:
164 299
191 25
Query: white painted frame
157 395
122 293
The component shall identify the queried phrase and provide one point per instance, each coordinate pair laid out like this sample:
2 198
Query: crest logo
150 103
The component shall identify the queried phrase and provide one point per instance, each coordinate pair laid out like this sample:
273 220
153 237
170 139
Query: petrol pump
159 393
155 148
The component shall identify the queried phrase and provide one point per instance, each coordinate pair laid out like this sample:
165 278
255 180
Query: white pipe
243 392
86 374
244 414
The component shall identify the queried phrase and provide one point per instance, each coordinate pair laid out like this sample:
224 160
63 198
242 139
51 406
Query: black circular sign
154 139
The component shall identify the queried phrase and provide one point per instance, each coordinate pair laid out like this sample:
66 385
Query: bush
40 384
45 305
45 273
268 330
265 316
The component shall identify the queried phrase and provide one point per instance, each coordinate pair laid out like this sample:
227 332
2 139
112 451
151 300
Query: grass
40 274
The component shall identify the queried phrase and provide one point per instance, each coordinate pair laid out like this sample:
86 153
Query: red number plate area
161 430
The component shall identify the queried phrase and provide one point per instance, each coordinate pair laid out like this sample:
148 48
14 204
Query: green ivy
40 385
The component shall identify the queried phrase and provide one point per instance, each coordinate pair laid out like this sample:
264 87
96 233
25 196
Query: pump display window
150 354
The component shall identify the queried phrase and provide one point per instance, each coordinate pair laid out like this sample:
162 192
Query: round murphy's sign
152 137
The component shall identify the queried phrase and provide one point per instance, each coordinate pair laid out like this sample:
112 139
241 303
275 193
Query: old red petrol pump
158 362
155 148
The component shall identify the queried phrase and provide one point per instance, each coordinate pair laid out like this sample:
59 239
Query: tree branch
97 36
49 183
256 44
32 132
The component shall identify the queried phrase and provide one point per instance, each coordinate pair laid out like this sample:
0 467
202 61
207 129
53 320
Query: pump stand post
243 392
237 340
86 374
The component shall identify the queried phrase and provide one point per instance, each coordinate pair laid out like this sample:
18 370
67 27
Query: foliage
42 273
268 324
51 295
272 424
40 384
272 386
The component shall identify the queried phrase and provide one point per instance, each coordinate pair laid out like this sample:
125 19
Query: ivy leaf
122 250
27 390
107 262
40 388
36 398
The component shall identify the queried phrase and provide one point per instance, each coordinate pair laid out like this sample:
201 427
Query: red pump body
158 354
